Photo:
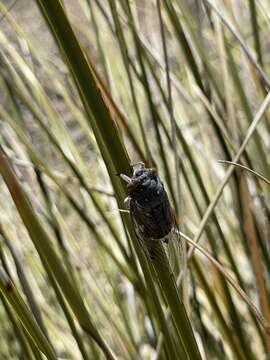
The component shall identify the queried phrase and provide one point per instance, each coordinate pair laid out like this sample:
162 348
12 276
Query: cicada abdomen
150 209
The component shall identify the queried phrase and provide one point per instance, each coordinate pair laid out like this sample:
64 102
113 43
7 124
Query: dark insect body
149 204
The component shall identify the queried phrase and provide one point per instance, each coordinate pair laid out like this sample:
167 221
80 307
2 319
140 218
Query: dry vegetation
180 85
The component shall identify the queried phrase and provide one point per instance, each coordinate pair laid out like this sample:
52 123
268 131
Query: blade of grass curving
235 345
199 179
212 205
203 188
257 149
209 233
263 321
259 176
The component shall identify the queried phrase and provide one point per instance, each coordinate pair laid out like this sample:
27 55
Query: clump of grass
186 90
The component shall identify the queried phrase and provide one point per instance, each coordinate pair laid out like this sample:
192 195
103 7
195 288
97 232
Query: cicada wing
135 224
140 224
174 250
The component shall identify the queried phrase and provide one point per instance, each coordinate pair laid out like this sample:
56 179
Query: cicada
150 209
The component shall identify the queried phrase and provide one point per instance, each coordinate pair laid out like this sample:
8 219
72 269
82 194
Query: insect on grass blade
151 213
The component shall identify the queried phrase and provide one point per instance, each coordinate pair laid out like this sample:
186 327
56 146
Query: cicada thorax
149 204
